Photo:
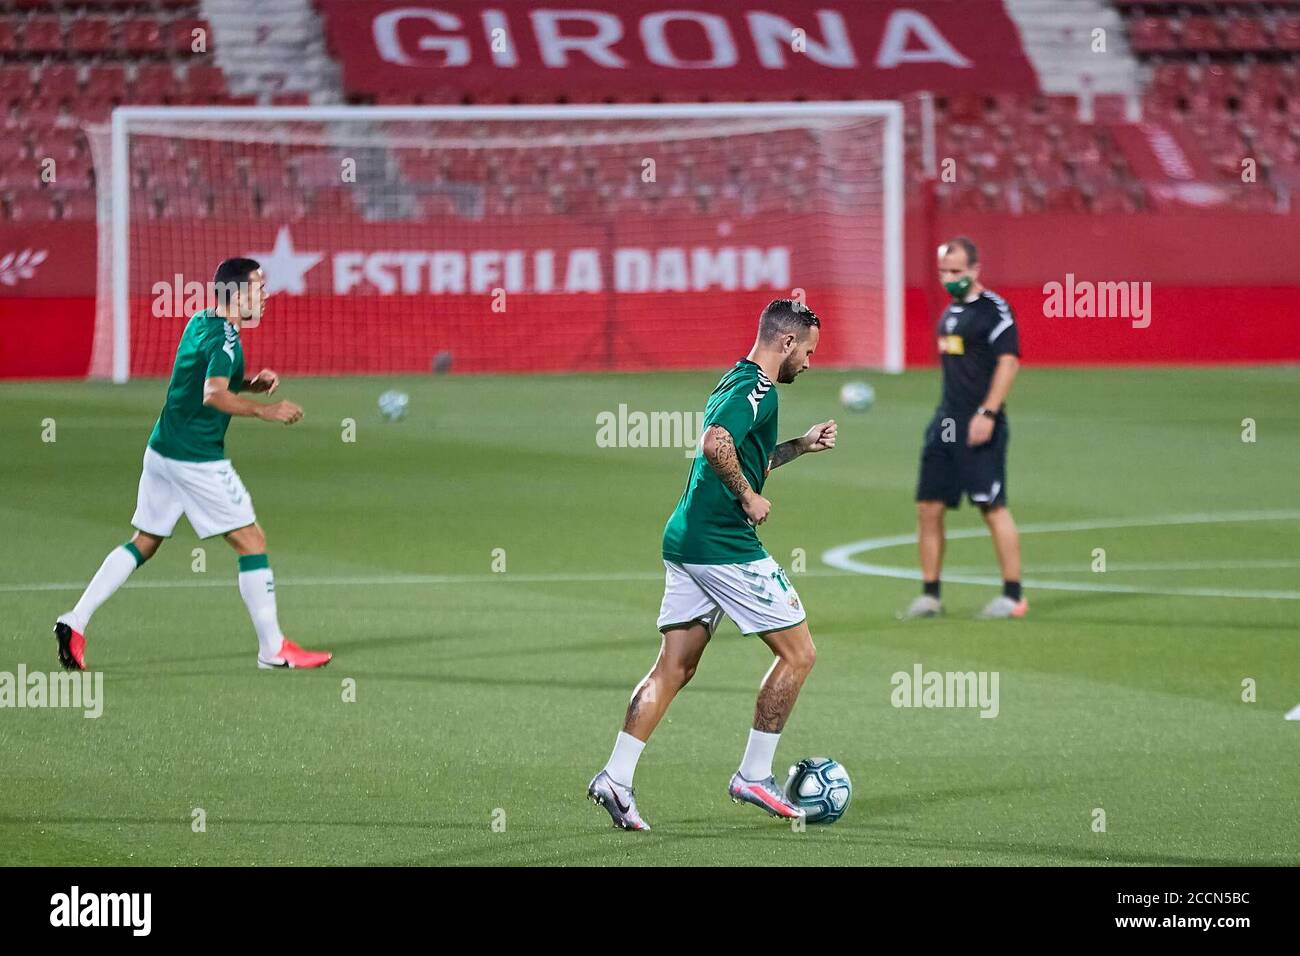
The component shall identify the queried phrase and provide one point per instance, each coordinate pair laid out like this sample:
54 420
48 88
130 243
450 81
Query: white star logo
286 270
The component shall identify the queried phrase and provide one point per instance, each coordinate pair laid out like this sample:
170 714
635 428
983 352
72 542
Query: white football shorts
757 596
209 493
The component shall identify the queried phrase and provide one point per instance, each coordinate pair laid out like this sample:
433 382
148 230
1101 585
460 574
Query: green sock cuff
135 553
253 562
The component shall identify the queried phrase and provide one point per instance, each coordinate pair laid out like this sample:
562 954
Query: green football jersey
709 526
188 430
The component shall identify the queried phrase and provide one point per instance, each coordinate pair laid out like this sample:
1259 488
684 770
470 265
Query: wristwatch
986 412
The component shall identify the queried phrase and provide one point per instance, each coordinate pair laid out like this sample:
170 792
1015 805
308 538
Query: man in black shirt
965 448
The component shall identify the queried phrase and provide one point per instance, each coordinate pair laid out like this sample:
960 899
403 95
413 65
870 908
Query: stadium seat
180 35
77 206
15 83
106 83
153 83
282 208
1286 35
1247 34
1200 33
43 35
91 35
8 38
30 207
140 35
61 145
59 81
40 112
205 81
1153 35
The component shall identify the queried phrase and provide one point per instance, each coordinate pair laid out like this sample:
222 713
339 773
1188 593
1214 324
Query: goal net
501 239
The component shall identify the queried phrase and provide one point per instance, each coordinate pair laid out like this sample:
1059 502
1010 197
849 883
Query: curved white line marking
843 557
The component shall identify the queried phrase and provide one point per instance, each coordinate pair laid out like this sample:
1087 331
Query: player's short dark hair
966 245
784 316
230 275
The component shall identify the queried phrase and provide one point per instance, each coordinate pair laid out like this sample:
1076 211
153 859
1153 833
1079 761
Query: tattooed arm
785 452
818 438
720 452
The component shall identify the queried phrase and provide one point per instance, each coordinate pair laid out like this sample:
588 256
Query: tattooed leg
795 655
679 655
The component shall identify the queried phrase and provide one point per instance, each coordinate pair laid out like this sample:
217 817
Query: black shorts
950 469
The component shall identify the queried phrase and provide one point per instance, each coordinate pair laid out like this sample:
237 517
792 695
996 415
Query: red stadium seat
40 112
59 81
15 83
1286 35
30 207
13 152
1153 35
205 81
77 206
141 36
180 35
20 176
153 83
8 37
105 83
1201 33
1247 34
185 205
91 35
74 173
61 145
43 35
283 208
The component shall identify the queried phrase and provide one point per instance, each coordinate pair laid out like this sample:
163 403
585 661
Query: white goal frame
892 172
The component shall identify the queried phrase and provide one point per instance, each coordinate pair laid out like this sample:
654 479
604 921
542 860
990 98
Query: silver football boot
619 800
764 794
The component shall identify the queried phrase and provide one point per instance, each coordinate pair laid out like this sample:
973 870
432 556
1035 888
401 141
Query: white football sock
112 574
257 587
622 762
757 762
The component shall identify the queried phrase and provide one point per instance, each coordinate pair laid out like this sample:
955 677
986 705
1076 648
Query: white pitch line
284 581
843 557
1112 566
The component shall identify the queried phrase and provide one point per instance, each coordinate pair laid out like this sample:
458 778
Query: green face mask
958 288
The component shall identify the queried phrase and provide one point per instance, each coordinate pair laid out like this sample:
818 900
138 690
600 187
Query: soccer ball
857 396
392 405
821 786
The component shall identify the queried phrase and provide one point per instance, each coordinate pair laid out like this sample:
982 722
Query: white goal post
348 125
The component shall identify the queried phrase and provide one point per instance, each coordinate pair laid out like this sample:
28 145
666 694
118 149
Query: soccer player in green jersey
716 565
186 470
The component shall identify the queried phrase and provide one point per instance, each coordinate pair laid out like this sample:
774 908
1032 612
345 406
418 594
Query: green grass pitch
485 697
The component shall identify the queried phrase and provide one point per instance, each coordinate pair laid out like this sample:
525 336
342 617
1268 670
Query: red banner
404 299
519 295
47 259
641 49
